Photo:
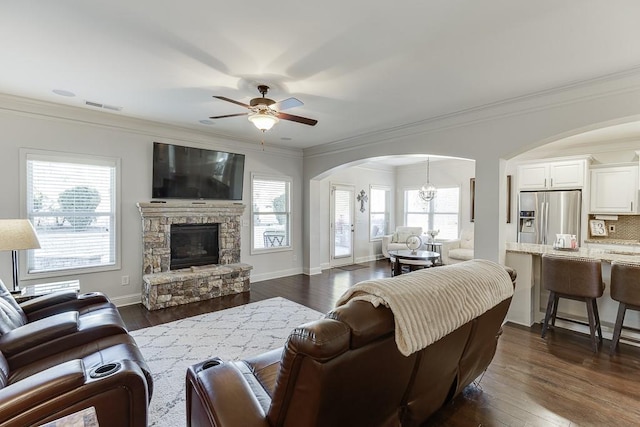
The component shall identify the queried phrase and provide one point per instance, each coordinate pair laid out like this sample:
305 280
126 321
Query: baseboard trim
126 300
275 275
312 271
369 258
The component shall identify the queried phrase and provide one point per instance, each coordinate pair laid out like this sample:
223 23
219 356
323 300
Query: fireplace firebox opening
193 245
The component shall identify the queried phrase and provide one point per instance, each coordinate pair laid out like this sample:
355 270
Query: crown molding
578 91
28 107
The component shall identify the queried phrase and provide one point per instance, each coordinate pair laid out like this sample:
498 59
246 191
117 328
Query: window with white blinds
379 212
442 213
72 205
270 213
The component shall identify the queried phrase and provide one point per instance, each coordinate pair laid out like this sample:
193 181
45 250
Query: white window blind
379 212
441 213
271 213
72 205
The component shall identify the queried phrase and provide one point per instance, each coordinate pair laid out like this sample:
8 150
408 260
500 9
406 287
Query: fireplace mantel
163 287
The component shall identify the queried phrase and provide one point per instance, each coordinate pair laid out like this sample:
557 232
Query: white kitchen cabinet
614 189
552 175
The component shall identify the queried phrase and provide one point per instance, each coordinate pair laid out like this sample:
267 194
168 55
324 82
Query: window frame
387 211
27 154
268 177
429 213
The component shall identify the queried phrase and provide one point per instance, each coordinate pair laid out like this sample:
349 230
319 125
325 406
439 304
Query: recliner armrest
38 332
54 304
45 385
51 393
222 396
48 300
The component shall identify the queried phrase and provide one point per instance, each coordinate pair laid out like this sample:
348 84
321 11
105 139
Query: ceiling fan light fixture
263 121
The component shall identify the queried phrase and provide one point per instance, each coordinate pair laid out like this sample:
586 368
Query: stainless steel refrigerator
543 214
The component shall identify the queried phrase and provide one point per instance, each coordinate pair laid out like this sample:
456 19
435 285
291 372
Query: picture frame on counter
598 228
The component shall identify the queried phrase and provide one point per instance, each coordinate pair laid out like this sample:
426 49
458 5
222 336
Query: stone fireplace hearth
164 286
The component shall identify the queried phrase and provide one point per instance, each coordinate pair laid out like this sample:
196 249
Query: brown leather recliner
57 302
65 352
45 325
110 378
344 370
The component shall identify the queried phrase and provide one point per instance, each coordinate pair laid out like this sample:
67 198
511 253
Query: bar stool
625 288
577 279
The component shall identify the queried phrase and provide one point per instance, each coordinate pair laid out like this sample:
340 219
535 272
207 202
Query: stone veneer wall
165 288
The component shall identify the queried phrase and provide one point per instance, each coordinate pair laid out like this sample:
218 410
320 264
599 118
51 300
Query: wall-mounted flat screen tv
194 173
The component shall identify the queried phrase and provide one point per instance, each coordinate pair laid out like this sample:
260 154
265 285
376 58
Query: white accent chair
459 250
397 241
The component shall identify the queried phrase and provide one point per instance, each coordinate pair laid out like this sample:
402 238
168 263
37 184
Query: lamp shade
17 234
263 121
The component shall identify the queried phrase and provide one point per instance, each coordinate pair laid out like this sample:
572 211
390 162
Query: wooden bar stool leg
592 324
595 311
547 315
622 308
556 299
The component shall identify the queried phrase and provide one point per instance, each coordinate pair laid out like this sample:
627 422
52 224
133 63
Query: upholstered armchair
36 394
397 241
25 336
458 250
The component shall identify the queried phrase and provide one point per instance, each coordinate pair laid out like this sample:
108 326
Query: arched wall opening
490 136
397 177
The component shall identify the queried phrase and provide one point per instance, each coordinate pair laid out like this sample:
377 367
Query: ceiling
359 66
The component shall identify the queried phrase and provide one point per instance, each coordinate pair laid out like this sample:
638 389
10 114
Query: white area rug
230 334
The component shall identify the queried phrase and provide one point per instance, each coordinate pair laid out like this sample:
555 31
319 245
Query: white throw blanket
431 303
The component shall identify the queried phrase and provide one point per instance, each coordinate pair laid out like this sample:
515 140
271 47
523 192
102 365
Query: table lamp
17 234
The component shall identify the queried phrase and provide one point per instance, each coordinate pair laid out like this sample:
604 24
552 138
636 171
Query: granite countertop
601 254
614 242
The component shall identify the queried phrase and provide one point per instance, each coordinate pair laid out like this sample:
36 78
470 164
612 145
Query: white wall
30 124
361 177
488 135
442 173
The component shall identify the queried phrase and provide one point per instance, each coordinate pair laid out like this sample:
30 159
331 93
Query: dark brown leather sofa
343 370
65 352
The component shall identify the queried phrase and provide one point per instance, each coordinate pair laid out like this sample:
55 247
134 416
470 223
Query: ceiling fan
265 112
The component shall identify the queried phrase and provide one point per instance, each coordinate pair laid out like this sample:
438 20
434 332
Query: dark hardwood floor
557 381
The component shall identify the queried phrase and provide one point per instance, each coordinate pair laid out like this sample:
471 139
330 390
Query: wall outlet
612 229
295 257
124 281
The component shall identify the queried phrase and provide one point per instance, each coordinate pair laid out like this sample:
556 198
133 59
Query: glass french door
342 224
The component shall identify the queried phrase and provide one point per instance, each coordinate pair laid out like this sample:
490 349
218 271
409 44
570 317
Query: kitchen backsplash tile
627 228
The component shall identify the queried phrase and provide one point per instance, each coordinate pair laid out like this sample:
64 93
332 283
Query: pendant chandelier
428 191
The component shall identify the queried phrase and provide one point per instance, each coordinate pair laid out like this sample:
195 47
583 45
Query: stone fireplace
191 252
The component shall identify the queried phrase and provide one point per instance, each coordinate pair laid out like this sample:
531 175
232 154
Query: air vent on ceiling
105 106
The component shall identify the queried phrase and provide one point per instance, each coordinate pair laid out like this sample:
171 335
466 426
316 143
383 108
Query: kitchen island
530 300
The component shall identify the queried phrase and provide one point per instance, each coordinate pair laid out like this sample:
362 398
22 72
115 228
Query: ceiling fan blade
229 115
224 98
286 104
303 120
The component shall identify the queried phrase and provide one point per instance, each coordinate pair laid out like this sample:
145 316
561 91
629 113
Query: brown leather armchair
43 326
117 389
65 352
343 370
